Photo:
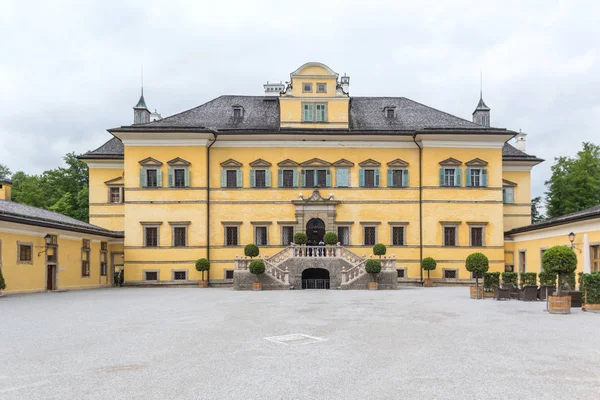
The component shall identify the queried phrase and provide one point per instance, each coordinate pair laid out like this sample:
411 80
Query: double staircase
353 265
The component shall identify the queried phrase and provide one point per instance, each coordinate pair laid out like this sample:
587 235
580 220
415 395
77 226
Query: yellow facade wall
518 214
103 213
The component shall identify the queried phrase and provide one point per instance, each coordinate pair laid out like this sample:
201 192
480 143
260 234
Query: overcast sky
69 70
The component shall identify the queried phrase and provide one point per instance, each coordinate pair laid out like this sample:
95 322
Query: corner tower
141 114
481 115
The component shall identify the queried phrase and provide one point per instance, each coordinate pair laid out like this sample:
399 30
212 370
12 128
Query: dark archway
315 278
315 230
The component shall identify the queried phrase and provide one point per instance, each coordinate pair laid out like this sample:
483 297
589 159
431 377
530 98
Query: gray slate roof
21 213
113 149
593 212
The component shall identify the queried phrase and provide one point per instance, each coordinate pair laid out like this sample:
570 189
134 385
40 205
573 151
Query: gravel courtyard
189 343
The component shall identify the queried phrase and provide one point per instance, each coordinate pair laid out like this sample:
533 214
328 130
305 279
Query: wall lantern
48 240
572 239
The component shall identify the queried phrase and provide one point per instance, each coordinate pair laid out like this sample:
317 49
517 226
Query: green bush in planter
591 285
580 280
478 264
379 249
491 279
2 282
330 238
428 264
251 250
373 267
257 267
547 279
202 265
560 260
510 278
528 278
300 238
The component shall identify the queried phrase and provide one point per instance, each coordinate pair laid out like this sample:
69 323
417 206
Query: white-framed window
308 112
450 177
321 112
477 177
232 235
508 195
321 87
261 235
115 195
287 235
344 235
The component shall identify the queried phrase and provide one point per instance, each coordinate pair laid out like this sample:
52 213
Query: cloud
71 69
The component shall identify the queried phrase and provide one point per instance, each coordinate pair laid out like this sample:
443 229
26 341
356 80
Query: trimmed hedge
591 285
528 278
2 282
510 277
300 238
547 279
379 249
330 238
491 279
373 267
257 267
251 250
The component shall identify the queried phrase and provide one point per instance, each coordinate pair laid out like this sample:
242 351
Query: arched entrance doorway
315 278
315 230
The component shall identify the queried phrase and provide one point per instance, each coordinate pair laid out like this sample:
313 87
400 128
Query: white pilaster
587 266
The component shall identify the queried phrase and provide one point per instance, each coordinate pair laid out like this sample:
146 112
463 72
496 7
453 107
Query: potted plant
559 260
428 264
510 278
547 284
2 282
591 289
490 280
257 267
379 249
330 239
373 267
251 250
477 264
202 265
528 278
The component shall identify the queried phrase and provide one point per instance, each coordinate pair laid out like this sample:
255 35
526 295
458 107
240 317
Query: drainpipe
208 204
420 205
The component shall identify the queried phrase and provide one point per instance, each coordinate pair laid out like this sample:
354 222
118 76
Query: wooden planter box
257 286
488 295
203 284
559 304
428 283
591 307
373 286
476 294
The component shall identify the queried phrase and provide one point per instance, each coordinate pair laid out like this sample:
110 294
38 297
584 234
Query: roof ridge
182 112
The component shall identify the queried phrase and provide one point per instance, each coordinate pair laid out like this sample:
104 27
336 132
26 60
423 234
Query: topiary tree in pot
477 264
560 260
2 282
379 249
428 264
330 239
251 250
257 267
300 239
373 267
202 265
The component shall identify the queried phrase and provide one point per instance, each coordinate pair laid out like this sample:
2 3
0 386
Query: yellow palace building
308 157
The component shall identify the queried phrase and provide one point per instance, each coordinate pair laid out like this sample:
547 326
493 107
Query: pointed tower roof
141 104
481 106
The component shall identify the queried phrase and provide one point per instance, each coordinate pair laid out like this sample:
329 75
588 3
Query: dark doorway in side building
315 230
51 277
315 278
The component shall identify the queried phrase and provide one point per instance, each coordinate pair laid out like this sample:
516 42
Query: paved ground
176 343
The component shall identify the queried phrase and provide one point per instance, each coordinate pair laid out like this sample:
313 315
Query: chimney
521 141
273 89
141 114
345 82
5 189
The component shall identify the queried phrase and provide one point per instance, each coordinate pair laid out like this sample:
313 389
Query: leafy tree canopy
4 171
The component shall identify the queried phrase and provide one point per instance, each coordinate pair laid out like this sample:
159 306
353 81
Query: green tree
4 172
575 182
536 214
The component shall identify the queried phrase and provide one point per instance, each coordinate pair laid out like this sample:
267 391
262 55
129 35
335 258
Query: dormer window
390 112
238 111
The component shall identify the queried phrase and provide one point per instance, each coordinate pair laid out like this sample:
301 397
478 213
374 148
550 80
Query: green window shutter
238 175
484 177
328 182
342 178
468 177
303 178
158 177
280 178
170 179
186 174
404 178
376 177
143 176
295 178
268 178
223 178
390 177
442 177
510 198
252 179
458 177
361 178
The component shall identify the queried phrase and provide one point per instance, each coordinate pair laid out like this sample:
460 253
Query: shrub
330 238
379 249
477 264
202 265
528 278
568 281
428 264
251 250
121 277
2 283
300 238
591 285
560 260
510 278
491 279
373 267
547 278
580 280
257 267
